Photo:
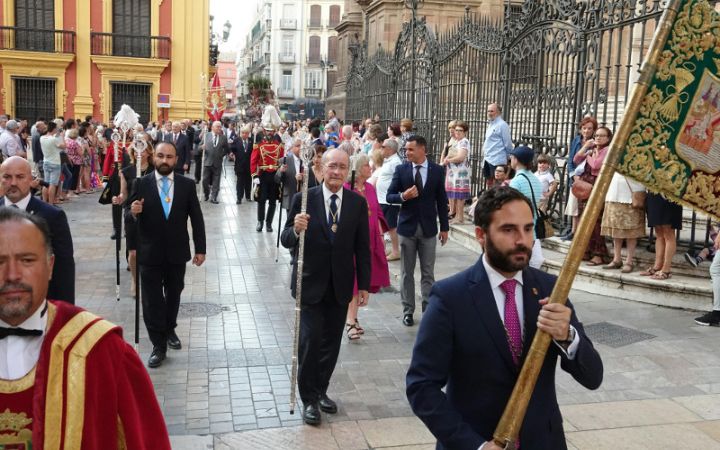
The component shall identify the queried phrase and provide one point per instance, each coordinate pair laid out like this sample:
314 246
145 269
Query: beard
164 169
17 306
509 261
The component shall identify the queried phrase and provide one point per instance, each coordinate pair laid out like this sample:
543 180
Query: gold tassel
683 78
669 109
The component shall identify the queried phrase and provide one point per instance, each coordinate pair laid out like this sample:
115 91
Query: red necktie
512 320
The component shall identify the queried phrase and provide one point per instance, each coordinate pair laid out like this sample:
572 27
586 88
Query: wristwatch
570 338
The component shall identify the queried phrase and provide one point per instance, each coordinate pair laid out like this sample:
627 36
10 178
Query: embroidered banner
674 144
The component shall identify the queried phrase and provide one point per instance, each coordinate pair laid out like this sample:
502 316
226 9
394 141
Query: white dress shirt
296 160
171 190
327 193
22 204
19 354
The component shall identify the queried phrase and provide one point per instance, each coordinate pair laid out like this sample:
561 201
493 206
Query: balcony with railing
313 59
112 44
286 58
315 23
285 93
313 93
288 24
36 40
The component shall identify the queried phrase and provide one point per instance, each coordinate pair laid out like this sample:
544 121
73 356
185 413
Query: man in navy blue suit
477 331
183 146
16 179
419 187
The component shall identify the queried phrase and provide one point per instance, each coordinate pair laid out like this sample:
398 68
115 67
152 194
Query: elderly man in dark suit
16 180
216 147
337 237
477 331
241 149
162 204
290 173
419 187
183 146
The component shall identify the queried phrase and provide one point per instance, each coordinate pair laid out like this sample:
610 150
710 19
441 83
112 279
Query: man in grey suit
290 173
216 147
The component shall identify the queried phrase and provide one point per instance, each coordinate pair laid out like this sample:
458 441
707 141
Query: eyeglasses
600 135
334 166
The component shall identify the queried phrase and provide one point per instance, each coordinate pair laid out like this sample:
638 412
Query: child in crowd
548 181
706 254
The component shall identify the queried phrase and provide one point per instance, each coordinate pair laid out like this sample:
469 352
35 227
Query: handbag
581 189
638 197
543 226
113 185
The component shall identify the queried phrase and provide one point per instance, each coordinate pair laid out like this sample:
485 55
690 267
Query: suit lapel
531 296
485 303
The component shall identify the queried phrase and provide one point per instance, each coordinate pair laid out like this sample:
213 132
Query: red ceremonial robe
89 390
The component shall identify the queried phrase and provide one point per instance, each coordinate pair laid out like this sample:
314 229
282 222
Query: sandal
649 272
627 268
352 332
613 265
592 263
359 329
660 275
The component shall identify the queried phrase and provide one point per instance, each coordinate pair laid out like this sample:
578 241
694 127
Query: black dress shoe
408 320
311 414
206 198
113 236
268 228
259 226
327 405
173 341
214 201
156 358
238 202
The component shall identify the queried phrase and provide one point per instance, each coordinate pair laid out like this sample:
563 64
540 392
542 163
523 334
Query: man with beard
68 379
162 204
477 331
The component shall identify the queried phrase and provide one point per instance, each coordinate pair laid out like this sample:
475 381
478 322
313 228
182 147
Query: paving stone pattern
236 326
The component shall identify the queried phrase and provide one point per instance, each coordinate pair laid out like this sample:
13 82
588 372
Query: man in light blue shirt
521 159
498 143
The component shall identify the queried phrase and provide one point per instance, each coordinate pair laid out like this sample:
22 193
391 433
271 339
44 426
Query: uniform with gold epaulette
264 162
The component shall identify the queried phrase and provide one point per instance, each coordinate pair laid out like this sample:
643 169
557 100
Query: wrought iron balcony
313 59
315 24
288 24
286 59
36 40
313 93
112 44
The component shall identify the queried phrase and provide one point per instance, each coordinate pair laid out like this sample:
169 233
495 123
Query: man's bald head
15 177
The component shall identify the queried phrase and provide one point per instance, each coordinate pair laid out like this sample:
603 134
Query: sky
240 13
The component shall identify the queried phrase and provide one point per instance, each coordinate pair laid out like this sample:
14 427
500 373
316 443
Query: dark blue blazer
425 209
62 284
184 150
462 344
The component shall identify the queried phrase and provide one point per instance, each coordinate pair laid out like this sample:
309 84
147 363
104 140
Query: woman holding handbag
624 219
583 140
594 156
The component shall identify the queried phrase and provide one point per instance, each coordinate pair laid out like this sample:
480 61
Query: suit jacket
62 284
162 240
462 345
242 155
214 153
287 178
425 209
184 149
329 261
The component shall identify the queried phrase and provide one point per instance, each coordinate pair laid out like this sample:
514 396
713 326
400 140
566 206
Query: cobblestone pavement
236 323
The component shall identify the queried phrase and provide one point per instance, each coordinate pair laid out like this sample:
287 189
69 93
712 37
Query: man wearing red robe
68 380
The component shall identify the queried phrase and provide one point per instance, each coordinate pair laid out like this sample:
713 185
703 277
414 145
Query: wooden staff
306 154
508 428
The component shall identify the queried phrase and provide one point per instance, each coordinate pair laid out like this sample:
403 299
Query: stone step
686 289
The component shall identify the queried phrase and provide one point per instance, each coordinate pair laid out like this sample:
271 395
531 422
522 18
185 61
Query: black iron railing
36 40
112 44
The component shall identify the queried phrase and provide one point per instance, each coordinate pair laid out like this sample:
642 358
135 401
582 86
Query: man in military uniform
263 165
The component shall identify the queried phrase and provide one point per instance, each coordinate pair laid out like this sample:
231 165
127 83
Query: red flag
215 99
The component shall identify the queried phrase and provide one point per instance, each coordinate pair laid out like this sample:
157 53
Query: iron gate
135 95
547 63
34 98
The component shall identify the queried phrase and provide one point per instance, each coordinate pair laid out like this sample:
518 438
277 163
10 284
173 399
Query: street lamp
215 38
413 5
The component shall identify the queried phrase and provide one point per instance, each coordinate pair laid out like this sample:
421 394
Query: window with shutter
334 16
31 16
315 16
314 51
332 49
131 28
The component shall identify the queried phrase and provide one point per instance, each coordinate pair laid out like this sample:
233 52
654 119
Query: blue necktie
166 196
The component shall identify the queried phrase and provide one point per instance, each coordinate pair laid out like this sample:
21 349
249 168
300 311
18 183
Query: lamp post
413 5
216 38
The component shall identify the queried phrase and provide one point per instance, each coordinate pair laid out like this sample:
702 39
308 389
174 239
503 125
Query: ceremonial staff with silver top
333 222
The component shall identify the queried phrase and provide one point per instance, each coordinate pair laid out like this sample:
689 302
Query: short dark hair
51 126
10 214
315 133
421 141
168 143
492 200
